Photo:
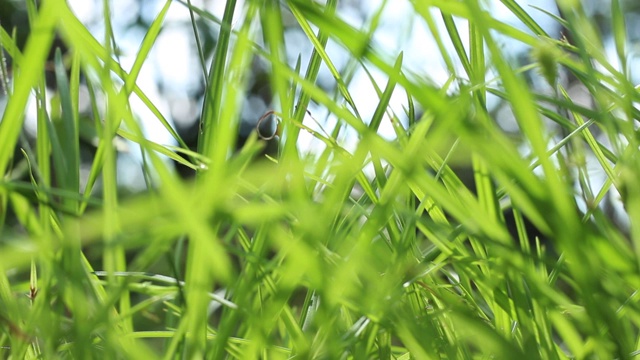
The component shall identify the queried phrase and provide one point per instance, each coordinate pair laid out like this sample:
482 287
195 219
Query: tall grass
311 256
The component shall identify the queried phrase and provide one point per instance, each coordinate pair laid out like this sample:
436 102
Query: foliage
310 255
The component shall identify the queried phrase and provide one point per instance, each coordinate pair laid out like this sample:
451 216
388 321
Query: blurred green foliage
378 250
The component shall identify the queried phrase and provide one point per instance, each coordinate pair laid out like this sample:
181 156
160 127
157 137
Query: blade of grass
35 55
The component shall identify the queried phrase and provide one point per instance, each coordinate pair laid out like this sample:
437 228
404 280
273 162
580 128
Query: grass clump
378 250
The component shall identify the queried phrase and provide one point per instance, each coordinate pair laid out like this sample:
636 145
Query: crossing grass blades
376 250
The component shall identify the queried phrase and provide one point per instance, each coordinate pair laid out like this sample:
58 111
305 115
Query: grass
380 251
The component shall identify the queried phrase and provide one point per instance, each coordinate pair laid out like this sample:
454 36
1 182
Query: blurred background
173 74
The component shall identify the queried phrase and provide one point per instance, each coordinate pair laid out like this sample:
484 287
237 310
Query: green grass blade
35 55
